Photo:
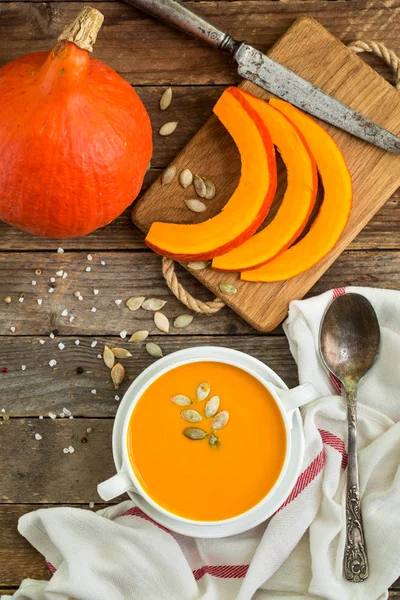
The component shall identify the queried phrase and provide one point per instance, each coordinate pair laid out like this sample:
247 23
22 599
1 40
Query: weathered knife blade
270 75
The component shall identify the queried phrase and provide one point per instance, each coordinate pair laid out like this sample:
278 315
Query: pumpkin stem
84 29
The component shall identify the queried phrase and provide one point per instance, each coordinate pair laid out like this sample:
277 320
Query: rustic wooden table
35 472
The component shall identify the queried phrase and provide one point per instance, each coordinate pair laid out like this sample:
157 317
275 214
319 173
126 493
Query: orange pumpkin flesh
335 208
298 201
75 142
247 207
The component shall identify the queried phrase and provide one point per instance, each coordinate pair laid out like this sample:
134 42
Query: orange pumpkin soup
198 478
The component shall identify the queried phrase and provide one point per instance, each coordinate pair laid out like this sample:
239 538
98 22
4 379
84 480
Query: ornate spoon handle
355 560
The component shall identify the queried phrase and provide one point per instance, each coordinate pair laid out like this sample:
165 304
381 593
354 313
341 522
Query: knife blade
272 76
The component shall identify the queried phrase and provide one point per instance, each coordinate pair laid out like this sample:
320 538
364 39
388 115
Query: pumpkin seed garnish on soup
166 99
154 304
220 420
181 400
135 302
191 415
195 205
194 433
168 175
214 440
203 390
168 128
212 406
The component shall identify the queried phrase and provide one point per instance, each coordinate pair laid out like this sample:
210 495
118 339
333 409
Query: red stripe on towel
336 443
221 571
306 477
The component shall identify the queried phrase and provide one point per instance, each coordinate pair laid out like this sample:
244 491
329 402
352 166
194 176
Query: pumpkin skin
75 142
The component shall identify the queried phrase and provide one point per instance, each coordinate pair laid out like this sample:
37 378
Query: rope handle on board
168 266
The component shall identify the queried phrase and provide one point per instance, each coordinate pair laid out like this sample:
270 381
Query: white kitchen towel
121 554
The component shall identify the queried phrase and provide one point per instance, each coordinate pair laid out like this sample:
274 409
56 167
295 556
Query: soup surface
192 478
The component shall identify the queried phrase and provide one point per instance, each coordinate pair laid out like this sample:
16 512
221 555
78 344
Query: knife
271 76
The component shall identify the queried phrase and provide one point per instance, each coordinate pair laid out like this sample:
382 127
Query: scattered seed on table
52 362
79 370
198 266
154 350
77 294
89 257
168 175
186 178
227 288
166 99
195 205
135 302
64 313
38 436
117 375
168 128
61 346
108 357
23 367
183 321
38 272
161 322
199 186
7 299
121 353
139 336
154 304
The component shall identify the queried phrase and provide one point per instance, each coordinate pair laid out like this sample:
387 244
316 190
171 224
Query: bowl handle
296 397
115 486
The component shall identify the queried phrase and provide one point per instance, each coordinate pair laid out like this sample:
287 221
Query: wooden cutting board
311 51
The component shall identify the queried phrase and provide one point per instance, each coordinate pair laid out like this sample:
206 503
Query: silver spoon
349 343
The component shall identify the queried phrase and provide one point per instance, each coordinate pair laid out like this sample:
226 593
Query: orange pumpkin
75 139
249 204
298 201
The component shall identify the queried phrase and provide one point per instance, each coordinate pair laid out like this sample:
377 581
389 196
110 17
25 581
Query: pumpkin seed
166 99
212 407
220 420
168 175
183 321
194 433
199 186
214 440
154 304
117 375
210 189
161 322
135 302
154 350
195 205
108 357
139 336
191 415
168 128
227 288
186 178
203 390
181 400
198 266
121 352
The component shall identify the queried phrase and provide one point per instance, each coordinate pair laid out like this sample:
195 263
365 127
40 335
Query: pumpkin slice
249 204
297 203
333 213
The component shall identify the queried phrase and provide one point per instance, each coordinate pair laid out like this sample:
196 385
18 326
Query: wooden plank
126 39
375 173
129 274
41 389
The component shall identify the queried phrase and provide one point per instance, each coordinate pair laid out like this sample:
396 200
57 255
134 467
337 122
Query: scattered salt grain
67 412
71 449
12 329
61 346
41 417
52 362
33 282
41 342
38 436
65 275
70 417
91 504
94 391
123 334
60 251
93 344
77 294
21 299
3 410
52 336
59 273
64 313
61 415
95 292
71 318
23 367
89 430
39 301
77 342
93 309
66 450
99 356
52 279
51 290
80 297
88 269
89 257
103 262
118 302
52 415
117 397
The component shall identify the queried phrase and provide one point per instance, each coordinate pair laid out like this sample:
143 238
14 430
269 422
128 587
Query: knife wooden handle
185 19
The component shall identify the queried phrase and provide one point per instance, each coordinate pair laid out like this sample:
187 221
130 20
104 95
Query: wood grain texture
41 389
126 40
309 50
138 273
